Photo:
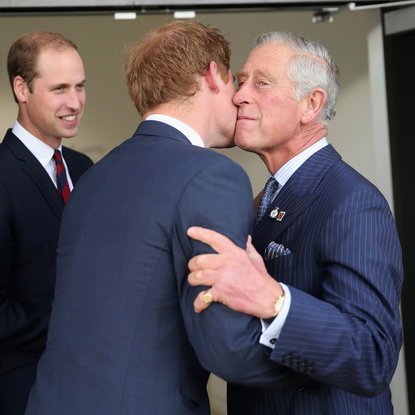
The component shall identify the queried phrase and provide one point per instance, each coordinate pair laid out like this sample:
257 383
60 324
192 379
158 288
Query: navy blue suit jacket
345 276
30 215
124 337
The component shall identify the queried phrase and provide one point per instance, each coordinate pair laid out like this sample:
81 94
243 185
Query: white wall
110 117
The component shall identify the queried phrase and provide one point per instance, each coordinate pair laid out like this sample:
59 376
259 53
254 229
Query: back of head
312 67
24 52
164 65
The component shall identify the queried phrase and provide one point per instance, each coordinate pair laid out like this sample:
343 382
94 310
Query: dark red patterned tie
63 185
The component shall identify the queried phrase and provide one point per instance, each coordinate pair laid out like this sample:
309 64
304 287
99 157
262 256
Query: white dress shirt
42 152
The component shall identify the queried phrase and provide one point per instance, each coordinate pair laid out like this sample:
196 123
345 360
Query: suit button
294 364
302 367
286 360
309 370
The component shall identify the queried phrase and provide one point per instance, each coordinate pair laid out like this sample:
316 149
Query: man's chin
243 145
69 134
239 142
225 144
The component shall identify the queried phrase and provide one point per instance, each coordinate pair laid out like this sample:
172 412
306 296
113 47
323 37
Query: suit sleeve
351 336
226 342
21 329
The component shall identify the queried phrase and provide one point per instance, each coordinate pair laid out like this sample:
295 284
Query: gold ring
207 297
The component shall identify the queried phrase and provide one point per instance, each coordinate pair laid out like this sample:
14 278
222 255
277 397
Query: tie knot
270 186
57 156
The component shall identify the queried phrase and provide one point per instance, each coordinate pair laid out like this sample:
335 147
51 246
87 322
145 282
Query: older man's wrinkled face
268 117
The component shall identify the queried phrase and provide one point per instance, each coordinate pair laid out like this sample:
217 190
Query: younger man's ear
211 76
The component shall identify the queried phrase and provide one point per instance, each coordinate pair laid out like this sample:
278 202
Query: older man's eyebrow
272 78
257 73
240 73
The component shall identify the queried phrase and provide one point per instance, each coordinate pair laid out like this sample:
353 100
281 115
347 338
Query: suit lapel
298 193
74 169
35 170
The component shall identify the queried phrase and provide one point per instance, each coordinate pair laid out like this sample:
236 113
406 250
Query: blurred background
360 131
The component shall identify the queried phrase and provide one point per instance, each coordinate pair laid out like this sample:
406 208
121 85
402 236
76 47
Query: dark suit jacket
345 276
30 215
124 337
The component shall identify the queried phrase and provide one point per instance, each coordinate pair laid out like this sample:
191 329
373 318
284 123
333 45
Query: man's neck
281 155
184 112
185 129
53 142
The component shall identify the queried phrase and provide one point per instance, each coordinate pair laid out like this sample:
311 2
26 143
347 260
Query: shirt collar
288 169
38 148
189 132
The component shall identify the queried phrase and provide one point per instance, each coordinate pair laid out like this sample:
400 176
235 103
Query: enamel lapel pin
277 214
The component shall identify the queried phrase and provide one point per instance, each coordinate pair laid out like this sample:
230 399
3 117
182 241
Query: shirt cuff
271 332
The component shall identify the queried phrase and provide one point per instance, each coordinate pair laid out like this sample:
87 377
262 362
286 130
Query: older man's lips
244 118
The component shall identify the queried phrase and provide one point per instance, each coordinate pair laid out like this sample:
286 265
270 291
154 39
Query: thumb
250 249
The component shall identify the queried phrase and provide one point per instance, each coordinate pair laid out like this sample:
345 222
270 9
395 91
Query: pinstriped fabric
345 276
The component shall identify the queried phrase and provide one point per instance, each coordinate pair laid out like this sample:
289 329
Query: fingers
202 277
206 261
199 304
207 297
217 241
205 268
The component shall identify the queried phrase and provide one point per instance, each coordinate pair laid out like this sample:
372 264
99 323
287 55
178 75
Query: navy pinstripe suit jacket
345 275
